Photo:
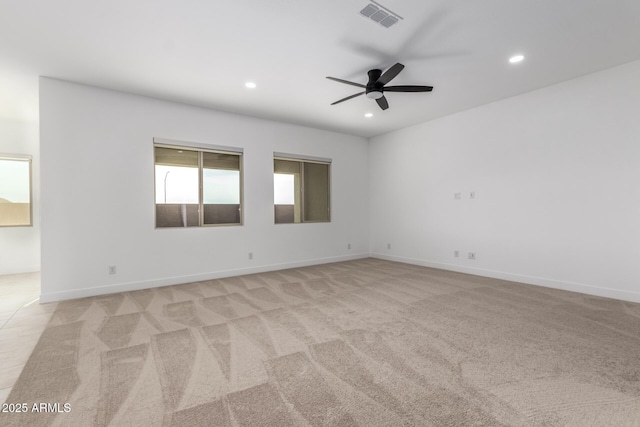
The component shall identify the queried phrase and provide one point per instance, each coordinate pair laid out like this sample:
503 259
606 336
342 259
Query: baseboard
19 270
177 280
514 277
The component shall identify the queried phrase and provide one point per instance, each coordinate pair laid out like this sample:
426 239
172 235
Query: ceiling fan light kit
375 88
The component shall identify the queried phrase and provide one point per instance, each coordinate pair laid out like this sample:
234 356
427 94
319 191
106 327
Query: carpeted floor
367 342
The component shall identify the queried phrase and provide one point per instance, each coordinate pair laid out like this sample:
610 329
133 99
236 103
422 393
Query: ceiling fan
376 87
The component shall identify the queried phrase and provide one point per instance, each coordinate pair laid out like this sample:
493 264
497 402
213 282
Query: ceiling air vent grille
380 14
369 10
388 21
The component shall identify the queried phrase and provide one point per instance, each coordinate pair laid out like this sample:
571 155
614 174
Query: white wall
557 179
20 246
98 189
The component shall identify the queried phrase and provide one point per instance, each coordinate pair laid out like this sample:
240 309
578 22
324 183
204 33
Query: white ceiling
202 52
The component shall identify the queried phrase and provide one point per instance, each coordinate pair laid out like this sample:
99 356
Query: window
301 190
15 190
197 187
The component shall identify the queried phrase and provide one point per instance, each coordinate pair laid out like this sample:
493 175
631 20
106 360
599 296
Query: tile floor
22 320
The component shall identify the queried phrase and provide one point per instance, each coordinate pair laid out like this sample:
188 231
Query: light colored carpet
367 342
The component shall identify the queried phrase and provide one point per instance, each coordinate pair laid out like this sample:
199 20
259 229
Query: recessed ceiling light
250 85
368 115
516 58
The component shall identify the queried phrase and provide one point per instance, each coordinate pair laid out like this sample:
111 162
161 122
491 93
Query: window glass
283 189
191 195
15 191
221 188
300 191
316 192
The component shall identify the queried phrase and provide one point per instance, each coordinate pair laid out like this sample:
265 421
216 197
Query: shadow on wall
186 215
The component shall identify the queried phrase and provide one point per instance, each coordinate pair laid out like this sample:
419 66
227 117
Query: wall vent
380 14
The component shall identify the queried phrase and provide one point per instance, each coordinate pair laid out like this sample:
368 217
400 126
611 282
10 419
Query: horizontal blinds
175 157
286 166
189 158
220 161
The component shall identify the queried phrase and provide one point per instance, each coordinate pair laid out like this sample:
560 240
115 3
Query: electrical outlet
348 245
250 255
472 255
457 196
456 254
112 269
388 245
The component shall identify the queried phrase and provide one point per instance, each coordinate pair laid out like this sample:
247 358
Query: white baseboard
19 270
514 277
154 283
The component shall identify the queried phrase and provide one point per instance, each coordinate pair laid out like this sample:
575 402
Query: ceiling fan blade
347 98
390 73
408 88
346 82
382 102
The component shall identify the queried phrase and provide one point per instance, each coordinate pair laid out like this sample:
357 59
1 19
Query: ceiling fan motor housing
374 88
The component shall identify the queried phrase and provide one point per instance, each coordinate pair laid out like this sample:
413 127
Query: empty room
306 213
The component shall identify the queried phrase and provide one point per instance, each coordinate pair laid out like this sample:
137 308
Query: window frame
302 160
29 159
200 149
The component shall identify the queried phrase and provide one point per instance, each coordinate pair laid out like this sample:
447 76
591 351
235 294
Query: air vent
380 14
369 10
388 21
